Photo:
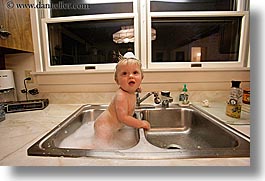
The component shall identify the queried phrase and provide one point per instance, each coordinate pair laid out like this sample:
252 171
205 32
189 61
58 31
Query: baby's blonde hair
123 60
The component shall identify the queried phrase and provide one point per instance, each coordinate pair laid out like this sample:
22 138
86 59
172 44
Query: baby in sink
128 75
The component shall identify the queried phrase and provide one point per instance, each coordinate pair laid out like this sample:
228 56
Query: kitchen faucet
166 99
139 100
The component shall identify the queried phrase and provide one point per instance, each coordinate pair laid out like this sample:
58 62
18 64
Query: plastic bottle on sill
184 96
234 102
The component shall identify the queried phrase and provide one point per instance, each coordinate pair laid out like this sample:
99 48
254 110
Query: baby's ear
117 82
139 89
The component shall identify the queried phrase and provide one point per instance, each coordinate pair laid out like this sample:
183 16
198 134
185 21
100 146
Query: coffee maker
7 86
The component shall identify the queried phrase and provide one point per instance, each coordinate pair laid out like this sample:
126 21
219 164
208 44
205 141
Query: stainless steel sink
87 117
186 128
176 132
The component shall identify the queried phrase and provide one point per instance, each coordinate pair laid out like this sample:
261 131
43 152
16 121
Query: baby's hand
146 125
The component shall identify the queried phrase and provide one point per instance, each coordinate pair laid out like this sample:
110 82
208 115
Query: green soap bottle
184 96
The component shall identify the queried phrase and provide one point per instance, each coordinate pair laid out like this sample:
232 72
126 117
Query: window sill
144 70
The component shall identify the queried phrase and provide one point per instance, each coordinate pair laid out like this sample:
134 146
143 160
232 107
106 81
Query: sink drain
173 146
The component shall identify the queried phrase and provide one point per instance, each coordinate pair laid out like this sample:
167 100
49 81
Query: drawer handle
4 33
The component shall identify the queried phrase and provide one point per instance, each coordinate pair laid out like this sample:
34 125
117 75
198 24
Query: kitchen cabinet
17 22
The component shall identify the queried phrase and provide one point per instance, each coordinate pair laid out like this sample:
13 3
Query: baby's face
129 77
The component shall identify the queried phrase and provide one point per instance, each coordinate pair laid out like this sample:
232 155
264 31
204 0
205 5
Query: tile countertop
21 130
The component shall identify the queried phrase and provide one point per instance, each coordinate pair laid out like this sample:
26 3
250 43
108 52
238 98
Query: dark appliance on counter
29 105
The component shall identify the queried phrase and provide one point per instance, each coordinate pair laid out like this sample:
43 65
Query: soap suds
83 138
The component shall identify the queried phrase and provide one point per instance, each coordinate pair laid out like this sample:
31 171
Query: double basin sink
176 132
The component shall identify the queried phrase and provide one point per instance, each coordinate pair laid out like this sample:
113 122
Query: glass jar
246 96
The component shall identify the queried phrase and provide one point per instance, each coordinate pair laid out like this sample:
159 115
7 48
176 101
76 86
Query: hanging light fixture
126 35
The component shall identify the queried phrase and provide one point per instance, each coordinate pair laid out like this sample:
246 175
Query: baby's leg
103 136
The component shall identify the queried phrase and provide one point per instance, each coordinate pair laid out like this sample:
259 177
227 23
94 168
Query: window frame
142 17
109 66
243 46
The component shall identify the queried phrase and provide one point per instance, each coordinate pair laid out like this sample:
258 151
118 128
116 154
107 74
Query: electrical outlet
28 74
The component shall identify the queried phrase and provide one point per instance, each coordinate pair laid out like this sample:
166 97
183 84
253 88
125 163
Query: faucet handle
157 99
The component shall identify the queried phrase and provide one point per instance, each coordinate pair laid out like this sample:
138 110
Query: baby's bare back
107 124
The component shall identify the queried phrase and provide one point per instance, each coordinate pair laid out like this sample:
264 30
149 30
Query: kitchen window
163 34
192 34
87 42
90 36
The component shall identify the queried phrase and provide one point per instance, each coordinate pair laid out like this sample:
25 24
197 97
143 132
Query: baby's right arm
146 125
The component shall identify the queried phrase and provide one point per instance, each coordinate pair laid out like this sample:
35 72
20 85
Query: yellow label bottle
234 102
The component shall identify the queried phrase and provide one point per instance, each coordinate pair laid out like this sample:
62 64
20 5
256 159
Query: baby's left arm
121 106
